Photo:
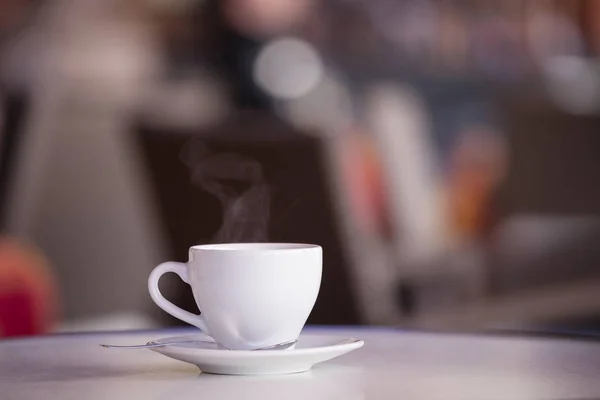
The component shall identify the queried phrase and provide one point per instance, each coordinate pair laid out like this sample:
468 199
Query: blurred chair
301 205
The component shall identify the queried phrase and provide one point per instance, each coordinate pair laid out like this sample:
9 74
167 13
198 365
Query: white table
392 365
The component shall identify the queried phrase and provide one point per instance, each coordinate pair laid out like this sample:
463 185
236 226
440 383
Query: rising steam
239 184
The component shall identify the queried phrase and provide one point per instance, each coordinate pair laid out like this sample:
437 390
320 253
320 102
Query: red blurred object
28 295
17 314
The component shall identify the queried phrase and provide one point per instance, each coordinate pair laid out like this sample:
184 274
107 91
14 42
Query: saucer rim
342 342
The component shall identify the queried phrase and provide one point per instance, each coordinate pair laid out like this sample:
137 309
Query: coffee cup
250 295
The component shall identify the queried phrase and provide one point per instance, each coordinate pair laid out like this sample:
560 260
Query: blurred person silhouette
28 294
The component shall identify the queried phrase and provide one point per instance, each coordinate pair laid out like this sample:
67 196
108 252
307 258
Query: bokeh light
288 68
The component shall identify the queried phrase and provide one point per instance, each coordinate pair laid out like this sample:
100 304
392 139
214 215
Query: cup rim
255 247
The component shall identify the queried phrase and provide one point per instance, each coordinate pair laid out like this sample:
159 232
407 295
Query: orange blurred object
28 294
478 165
364 176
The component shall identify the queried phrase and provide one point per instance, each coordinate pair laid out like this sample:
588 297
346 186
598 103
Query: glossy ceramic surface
251 295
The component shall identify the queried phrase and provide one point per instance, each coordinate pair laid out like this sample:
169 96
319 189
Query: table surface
393 364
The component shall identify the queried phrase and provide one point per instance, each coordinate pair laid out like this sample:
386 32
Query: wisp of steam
239 184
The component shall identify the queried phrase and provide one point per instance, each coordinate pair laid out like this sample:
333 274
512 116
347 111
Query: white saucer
310 350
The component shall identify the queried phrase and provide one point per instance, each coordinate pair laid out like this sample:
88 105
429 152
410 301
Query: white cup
250 295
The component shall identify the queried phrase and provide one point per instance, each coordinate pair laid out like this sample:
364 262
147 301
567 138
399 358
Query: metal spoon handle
152 344
280 346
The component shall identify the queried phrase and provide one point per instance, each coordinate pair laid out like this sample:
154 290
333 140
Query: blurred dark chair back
300 203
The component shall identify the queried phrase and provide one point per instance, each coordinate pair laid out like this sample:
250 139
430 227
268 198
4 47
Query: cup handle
180 269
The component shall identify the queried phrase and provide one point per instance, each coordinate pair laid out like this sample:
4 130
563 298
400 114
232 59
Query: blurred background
445 154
